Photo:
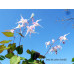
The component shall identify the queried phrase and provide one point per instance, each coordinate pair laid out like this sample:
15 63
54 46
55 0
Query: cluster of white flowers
31 29
55 48
23 22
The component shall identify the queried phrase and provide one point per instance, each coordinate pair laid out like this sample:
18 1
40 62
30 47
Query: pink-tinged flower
53 40
30 29
63 38
47 43
53 49
59 47
19 26
12 30
23 21
36 23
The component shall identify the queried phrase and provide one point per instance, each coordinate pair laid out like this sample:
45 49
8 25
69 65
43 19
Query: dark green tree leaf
9 55
28 51
2 57
19 49
12 46
22 58
41 57
72 59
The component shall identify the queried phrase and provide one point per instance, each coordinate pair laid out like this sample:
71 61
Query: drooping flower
19 26
47 43
55 48
53 40
12 30
23 21
59 47
63 38
30 29
36 23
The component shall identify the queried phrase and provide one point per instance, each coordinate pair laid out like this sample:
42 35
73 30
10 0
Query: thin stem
13 39
20 40
50 47
68 19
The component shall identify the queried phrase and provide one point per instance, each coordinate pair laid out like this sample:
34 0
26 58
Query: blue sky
51 29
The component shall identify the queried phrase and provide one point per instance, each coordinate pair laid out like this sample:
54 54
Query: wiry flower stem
50 47
13 39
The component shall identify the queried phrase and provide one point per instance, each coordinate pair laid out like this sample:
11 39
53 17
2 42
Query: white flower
23 21
30 29
36 23
53 49
63 37
19 26
12 30
53 40
32 15
59 47
47 43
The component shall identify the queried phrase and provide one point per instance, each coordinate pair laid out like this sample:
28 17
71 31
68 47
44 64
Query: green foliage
33 59
2 57
25 62
12 46
22 58
8 34
19 49
9 55
35 55
28 51
72 59
5 41
33 62
15 60
41 57
2 48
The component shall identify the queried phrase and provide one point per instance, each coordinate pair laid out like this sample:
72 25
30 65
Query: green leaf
9 55
34 55
25 62
8 34
2 57
2 48
19 49
28 51
5 41
72 59
41 56
15 60
22 58
12 46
